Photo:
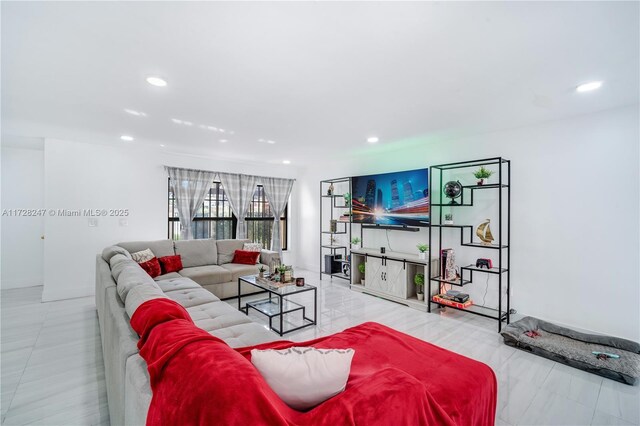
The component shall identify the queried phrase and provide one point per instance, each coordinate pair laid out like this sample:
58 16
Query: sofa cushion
191 296
177 283
249 334
140 294
197 252
216 315
143 256
151 267
304 377
207 275
169 276
227 248
170 264
132 275
117 264
159 248
238 270
246 257
111 251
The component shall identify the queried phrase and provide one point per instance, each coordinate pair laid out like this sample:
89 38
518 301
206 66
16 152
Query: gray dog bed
575 349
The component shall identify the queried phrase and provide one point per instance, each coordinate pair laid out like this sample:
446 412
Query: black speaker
331 264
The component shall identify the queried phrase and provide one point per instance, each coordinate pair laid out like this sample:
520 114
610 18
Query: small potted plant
422 250
361 268
355 243
448 219
481 174
418 280
347 199
262 270
282 269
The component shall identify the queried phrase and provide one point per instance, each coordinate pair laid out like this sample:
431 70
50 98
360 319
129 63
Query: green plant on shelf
418 280
423 248
482 173
355 241
361 268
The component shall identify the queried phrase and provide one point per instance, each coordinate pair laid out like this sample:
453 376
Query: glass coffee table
279 303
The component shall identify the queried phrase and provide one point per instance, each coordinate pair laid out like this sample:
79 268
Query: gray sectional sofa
122 285
207 262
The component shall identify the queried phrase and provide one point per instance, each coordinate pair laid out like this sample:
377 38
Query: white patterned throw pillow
304 377
252 247
143 256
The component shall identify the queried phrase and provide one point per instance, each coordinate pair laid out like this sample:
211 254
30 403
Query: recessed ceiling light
156 81
126 138
162 145
223 141
175 120
134 112
587 87
286 162
373 139
187 123
271 142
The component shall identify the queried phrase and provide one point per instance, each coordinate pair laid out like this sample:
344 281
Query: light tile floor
52 371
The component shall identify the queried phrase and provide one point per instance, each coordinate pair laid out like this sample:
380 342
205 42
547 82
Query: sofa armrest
268 256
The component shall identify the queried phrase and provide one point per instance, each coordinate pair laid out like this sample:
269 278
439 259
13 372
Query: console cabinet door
396 279
374 273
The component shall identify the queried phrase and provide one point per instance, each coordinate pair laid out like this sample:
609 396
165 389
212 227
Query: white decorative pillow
304 377
252 247
143 256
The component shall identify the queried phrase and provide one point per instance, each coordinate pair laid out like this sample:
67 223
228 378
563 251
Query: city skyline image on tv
398 198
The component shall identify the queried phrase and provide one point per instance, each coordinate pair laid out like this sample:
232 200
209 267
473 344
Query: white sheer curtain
239 190
277 191
189 189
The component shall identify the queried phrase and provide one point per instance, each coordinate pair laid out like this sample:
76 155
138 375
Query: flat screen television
399 198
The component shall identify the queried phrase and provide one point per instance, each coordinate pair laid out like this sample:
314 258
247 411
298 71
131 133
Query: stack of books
448 300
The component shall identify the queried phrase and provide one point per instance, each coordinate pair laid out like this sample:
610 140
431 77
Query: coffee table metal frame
284 306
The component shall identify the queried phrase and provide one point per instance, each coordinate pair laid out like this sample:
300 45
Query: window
216 220
260 220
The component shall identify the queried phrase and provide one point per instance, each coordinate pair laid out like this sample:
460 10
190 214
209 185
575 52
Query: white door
373 273
396 279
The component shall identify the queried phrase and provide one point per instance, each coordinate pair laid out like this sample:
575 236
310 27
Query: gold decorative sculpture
484 233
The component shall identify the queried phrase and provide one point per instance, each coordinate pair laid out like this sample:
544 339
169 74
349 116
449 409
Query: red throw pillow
246 257
170 263
152 267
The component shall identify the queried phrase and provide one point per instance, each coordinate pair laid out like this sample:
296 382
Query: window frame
284 219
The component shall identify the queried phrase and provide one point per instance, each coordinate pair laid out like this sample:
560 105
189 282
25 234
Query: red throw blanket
395 379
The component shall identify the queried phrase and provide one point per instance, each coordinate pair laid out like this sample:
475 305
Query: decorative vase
362 281
420 296
355 246
480 182
261 274
422 255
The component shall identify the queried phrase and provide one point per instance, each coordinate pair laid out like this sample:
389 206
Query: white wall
22 188
575 216
88 176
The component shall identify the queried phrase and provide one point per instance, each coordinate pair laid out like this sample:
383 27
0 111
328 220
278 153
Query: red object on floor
395 379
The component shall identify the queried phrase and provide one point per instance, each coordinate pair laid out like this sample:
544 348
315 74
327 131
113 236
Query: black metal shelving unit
503 188
343 228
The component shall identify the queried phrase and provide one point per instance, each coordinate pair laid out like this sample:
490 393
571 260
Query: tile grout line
27 363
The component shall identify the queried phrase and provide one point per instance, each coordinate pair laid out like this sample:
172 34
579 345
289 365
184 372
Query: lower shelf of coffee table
271 307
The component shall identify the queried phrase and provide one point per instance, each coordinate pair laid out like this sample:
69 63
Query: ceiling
317 78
